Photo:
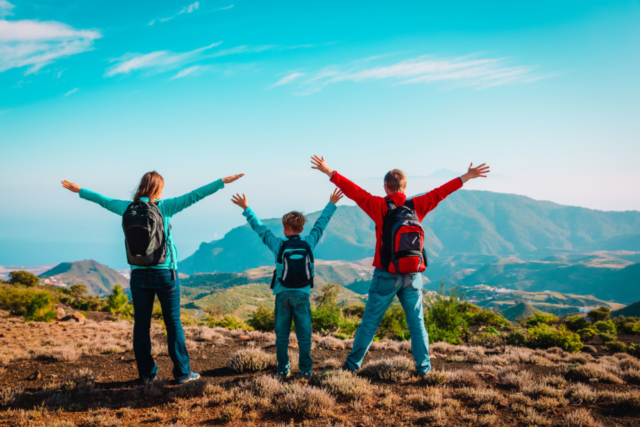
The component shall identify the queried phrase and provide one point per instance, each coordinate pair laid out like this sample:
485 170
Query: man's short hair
294 220
396 181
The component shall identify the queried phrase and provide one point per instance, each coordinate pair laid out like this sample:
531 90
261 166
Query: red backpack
403 240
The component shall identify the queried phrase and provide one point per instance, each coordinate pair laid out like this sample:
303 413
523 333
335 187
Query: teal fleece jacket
168 208
274 243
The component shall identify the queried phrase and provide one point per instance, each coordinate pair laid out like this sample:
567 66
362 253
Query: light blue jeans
293 305
384 286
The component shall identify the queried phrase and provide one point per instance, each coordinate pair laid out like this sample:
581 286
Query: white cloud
466 71
189 9
223 8
5 8
72 91
186 72
35 44
287 79
159 61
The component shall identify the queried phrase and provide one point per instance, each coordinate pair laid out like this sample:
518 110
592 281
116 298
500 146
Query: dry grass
624 401
263 386
330 343
251 360
347 386
394 369
309 402
461 378
331 363
597 371
579 418
517 380
581 394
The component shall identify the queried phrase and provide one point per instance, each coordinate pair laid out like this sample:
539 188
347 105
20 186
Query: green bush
23 278
587 333
394 325
487 339
605 326
228 321
634 350
616 347
485 318
607 338
541 319
601 313
575 323
41 308
326 316
630 328
547 336
263 319
16 299
444 320
353 311
517 337
118 303
186 319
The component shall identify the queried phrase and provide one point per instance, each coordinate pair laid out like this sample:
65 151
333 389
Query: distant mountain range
98 278
478 223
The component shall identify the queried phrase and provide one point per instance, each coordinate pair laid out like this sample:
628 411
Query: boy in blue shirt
293 277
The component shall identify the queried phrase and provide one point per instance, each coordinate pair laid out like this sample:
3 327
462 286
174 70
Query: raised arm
321 223
427 202
273 243
369 203
114 205
177 204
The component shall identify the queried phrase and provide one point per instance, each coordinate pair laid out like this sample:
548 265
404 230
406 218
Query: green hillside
632 310
479 223
519 310
98 278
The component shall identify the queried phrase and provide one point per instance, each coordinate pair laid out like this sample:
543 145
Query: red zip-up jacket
376 207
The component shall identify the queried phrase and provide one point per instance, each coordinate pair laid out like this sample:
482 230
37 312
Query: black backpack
294 265
403 240
144 234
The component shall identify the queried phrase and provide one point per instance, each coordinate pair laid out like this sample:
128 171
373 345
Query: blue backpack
294 265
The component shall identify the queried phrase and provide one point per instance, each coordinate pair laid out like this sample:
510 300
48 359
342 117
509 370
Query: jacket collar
146 199
398 199
294 237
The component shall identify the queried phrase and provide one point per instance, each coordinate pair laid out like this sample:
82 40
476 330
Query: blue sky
100 92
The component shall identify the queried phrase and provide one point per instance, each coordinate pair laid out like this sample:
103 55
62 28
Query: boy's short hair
396 180
294 220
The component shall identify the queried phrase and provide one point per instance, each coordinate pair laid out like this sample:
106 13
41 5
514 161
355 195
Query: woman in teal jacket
162 279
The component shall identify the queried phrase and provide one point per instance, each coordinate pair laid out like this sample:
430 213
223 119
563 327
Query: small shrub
579 418
485 318
251 360
587 333
346 385
263 319
462 378
545 336
599 314
309 402
518 380
41 308
622 401
575 323
118 302
532 418
517 337
394 369
330 342
264 386
9 396
616 347
25 278
605 326
593 370
230 413
487 339
228 322
580 393
538 319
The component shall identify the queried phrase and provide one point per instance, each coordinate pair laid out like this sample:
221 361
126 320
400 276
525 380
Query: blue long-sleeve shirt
274 243
168 208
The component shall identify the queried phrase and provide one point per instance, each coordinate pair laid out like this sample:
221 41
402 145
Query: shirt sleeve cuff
461 181
247 212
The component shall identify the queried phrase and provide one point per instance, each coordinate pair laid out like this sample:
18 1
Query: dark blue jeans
145 285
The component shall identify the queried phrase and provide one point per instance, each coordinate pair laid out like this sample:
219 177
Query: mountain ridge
98 278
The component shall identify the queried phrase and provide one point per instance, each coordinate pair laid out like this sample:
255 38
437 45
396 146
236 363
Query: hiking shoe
305 375
283 376
191 377
346 367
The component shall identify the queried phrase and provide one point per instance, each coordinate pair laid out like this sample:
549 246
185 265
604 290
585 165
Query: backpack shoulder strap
409 203
390 205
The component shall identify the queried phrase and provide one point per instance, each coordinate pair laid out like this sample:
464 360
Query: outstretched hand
320 164
230 179
71 186
336 196
240 201
477 172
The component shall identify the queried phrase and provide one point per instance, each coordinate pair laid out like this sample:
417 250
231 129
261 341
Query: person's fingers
481 165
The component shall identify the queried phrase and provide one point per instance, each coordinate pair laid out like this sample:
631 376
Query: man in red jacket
385 285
